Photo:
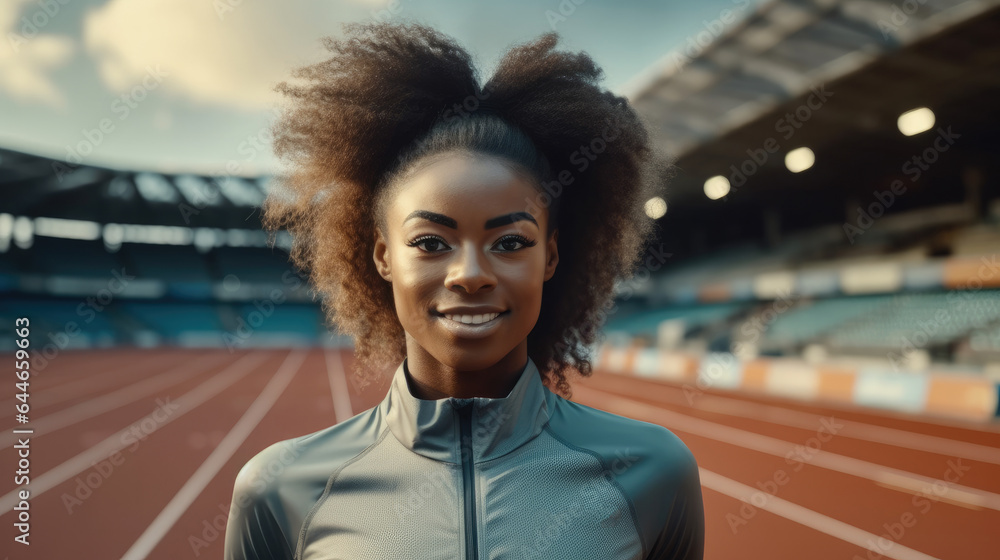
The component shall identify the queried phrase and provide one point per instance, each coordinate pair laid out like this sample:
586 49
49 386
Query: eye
509 243
426 240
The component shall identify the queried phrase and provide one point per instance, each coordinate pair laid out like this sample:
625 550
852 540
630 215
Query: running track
839 478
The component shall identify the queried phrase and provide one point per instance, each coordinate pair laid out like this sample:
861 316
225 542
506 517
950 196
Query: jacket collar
432 428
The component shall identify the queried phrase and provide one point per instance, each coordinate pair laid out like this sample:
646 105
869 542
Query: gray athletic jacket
531 475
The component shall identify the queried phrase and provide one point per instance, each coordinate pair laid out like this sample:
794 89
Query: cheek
524 284
413 290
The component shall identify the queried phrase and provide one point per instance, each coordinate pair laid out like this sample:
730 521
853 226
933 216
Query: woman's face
466 259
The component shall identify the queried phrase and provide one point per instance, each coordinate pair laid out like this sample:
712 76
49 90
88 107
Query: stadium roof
714 85
833 77
34 186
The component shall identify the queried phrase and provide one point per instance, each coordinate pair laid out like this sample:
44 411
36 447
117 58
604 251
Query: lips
472 319
471 325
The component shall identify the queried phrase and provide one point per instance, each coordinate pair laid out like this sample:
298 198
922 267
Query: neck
432 380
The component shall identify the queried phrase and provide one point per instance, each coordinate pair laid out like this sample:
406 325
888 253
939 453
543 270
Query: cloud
29 53
223 52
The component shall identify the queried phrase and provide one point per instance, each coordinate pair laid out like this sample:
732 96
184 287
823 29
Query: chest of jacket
543 500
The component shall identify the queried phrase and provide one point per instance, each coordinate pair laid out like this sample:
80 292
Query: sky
187 85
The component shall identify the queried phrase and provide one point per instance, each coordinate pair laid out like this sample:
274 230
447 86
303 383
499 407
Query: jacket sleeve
683 535
253 531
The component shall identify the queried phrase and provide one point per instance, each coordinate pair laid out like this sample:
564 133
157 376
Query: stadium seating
920 320
52 256
812 320
251 263
167 262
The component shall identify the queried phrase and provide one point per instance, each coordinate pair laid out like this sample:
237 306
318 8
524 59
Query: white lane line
879 474
41 393
93 383
218 459
81 387
338 385
870 432
116 399
992 428
804 420
808 517
118 441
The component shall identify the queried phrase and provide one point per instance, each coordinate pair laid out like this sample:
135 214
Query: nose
470 271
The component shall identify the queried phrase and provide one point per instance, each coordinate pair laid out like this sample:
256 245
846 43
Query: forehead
468 185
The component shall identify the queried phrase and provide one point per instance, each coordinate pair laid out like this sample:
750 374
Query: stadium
818 320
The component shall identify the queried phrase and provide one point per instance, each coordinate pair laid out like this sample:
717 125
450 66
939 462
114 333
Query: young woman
471 235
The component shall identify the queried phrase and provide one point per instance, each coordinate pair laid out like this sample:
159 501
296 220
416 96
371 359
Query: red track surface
163 493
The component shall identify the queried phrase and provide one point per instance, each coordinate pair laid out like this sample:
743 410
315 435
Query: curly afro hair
395 94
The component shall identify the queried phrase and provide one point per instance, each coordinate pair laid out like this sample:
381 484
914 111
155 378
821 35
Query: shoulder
293 460
277 487
258 526
615 435
654 468
257 478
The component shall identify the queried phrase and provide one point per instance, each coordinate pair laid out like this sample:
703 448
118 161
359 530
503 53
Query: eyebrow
490 224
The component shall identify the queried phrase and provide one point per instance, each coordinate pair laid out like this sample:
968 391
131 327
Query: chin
469 360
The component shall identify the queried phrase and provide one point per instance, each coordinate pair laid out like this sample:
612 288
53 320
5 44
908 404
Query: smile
472 326
473 319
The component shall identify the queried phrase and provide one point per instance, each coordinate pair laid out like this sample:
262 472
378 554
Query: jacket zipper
469 483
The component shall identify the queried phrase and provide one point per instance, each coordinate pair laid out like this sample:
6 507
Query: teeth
473 319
